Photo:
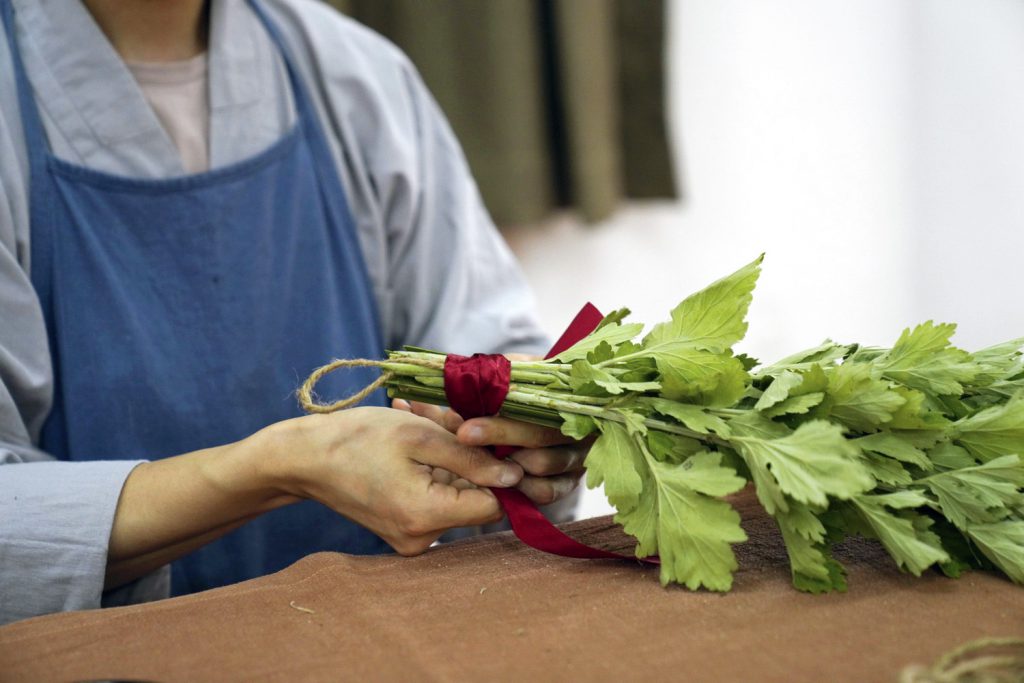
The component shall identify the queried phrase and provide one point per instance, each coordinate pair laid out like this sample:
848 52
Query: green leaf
695 531
672 447
577 426
704 473
894 445
749 363
754 425
979 495
641 522
779 389
795 405
634 421
923 359
803 397
1002 543
809 465
614 318
601 353
814 570
690 416
613 335
713 319
587 380
887 471
914 413
949 456
994 431
860 401
691 531
901 534
703 377
826 353
962 556
616 461
1004 356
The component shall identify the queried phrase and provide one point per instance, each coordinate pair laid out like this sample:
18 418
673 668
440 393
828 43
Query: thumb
474 464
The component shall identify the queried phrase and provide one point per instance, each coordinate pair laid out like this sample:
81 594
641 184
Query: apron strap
309 121
304 108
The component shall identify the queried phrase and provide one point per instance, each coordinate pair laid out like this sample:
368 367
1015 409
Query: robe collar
84 88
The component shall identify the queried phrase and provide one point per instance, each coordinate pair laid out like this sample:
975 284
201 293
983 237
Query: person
200 202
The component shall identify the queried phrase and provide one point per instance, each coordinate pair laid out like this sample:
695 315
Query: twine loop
307 399
987 660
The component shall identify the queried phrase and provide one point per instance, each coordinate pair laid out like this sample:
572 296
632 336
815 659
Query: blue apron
183 312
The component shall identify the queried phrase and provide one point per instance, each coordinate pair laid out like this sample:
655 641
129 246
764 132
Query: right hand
390 471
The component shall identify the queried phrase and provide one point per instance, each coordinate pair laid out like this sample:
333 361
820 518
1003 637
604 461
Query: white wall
874 149
967 158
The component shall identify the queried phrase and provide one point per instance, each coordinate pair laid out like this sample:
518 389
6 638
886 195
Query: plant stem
539 407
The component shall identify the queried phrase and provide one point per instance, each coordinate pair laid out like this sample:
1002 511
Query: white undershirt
177 92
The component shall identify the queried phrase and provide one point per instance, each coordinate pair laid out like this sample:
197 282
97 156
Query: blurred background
635 150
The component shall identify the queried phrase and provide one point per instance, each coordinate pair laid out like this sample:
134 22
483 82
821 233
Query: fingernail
510 475
475 434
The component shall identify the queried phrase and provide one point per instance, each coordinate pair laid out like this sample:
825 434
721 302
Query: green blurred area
556 102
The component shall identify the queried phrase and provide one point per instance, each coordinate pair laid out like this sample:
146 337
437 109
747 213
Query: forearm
170 507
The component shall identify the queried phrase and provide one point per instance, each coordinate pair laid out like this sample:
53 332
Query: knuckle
416 438
408 547
476 460
540 491
413 523
537 462
544 462
496 515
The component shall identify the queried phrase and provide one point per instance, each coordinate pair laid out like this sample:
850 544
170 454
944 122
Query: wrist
246 471
288 453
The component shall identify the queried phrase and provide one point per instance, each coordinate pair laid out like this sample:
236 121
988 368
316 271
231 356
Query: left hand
552 461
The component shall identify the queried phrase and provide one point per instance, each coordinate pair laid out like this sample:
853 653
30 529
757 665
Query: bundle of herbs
918 446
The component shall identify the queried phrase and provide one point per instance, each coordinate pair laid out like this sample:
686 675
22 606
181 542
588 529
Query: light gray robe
442 276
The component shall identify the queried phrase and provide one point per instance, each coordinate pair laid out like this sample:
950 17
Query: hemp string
308 400
986 660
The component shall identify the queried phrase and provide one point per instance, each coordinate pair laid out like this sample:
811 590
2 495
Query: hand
400 475
553 462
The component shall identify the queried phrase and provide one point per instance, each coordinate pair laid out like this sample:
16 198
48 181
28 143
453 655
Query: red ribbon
476 387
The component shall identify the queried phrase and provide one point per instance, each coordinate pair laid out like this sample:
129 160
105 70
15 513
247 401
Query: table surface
492 609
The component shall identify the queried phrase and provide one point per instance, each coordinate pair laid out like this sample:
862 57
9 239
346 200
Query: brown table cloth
492 609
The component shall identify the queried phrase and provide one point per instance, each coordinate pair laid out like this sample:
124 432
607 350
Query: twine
307 399
987 660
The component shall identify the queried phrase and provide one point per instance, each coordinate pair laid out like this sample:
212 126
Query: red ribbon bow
476 386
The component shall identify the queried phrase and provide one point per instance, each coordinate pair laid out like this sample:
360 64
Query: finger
543 462
401 404
442 476
493 431
465 507
427 410
445 417
476 465
522 356
545 490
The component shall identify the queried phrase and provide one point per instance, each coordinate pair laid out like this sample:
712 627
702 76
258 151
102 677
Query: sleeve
444 277
55 521
55 517
458 287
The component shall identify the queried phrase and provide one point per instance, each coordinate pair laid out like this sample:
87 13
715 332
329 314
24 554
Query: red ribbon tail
476 386
528 523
